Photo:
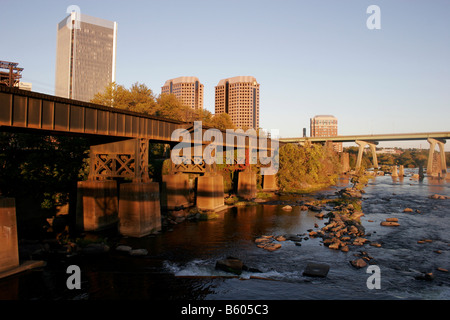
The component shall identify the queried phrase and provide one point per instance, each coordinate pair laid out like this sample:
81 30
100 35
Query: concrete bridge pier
443 162
139 209
345 162
401 171
210 192
247 184
97 205
394 172
9 249
175 191
362 145
135 207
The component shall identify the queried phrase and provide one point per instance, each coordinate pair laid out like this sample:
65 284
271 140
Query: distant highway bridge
372 140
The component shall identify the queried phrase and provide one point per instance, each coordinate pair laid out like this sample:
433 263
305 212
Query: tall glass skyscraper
85 56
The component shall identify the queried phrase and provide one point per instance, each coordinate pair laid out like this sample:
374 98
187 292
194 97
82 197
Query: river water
181 261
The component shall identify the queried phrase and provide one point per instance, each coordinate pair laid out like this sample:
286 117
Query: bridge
134 207
372 140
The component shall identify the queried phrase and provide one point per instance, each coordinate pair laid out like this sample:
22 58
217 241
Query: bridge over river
372 140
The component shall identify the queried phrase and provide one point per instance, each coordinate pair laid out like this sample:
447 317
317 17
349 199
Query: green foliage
140 98
305 167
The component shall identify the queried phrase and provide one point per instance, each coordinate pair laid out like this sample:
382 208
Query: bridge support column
394 172
247 184
362 145
269 182
139 209
433 142
345 161
401 171
9 249
269 179
175 191
97 205
210 195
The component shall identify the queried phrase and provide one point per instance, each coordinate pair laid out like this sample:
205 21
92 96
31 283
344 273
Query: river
181 261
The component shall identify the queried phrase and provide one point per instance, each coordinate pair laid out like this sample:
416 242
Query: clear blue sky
310 57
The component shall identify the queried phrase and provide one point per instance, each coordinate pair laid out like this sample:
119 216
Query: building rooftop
181 80
237 80
325 116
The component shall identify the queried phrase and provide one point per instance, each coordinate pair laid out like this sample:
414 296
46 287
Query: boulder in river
230 264
358 263
316 270
389 224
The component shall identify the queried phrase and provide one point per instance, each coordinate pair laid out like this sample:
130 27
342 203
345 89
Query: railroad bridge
134 206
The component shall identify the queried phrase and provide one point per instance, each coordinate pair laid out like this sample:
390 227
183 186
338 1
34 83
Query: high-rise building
188 90
239 97
85 56
325 126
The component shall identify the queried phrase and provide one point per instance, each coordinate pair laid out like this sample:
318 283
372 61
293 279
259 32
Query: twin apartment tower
86 64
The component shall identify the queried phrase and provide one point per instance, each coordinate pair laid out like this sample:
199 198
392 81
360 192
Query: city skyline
310 57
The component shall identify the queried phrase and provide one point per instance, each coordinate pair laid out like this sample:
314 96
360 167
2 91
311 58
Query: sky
309 57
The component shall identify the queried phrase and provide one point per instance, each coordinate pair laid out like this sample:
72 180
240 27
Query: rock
138 252
315 208
320 215
272 246
232 265
438 197
94 248
426 276
442 269
262 240
358 263
313 234
389 224
359 241
334 245
287 208
280 238
344 249
392 219
356 215
408 210
316 270
304 208
293 237
122 248
375 244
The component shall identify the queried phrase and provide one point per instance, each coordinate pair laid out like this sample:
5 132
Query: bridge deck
26 110
372 137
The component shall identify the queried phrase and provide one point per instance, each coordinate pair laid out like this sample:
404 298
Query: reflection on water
181 262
